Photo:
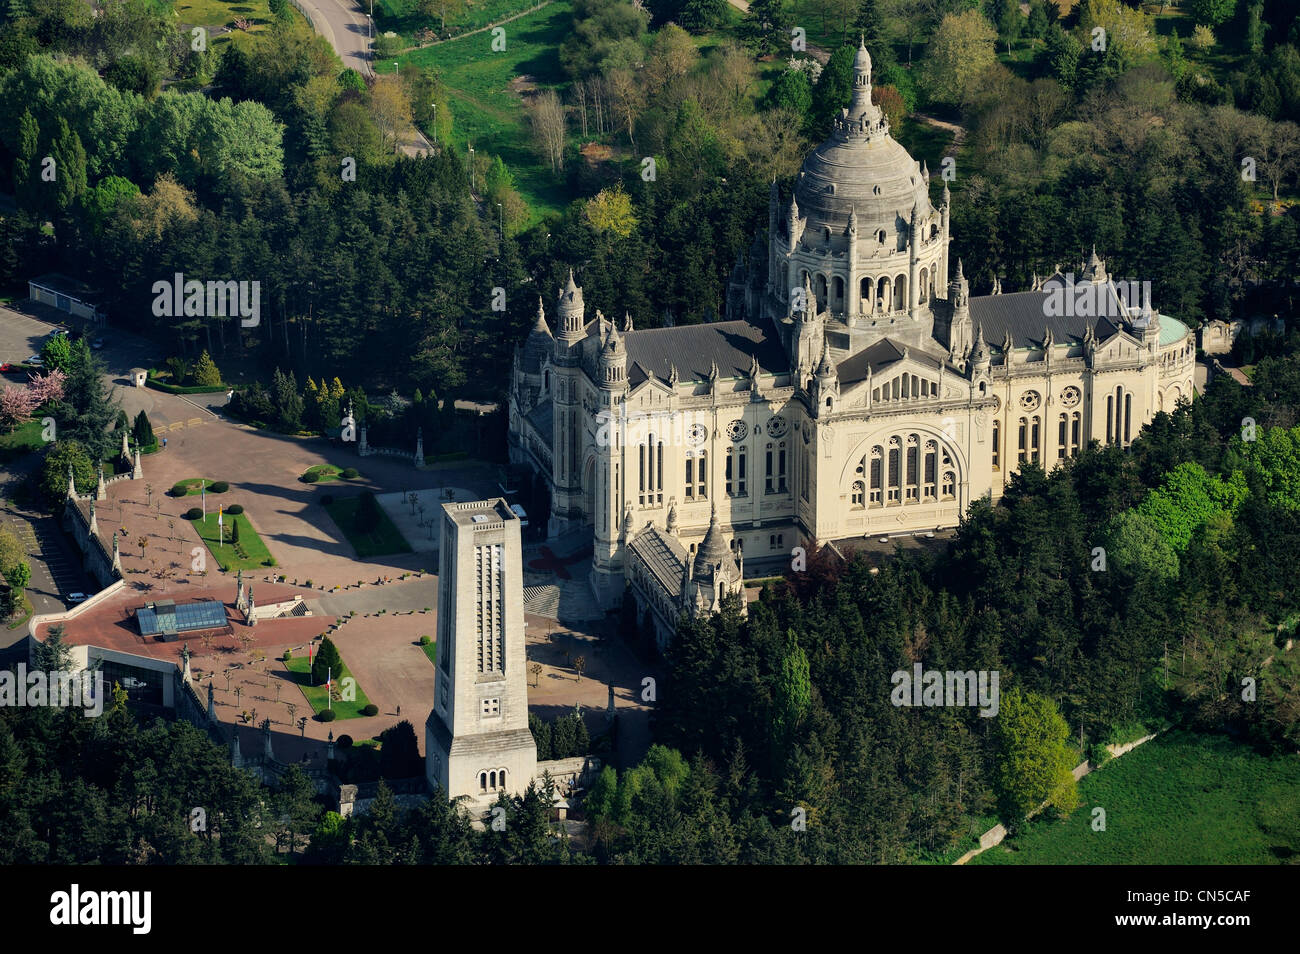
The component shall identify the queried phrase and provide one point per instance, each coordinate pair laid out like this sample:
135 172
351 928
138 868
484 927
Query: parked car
75 598
34 361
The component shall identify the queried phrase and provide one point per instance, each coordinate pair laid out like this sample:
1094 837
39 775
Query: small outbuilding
139 376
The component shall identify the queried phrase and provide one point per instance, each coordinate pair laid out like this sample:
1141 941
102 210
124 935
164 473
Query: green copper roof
1171 330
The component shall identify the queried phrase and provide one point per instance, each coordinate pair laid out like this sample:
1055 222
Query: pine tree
27 178
142 432
85 414
234 529
327 660
205 371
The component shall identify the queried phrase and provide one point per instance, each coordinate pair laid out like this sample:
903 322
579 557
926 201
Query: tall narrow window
1034 445
997 444
805 477
702 476
769 481
857 495
1076 426
1062 442
913 477
641 449
659 473
1024 439
729 472
895 469
929 476
1110 418
690 477
781 486
1128 418
877 466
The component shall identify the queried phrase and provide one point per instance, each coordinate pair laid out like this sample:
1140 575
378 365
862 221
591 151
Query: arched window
492 780
1035 427
949 485
1076 426
1023 442
501 778
1062 437
895 470
997 444
821 292
913 491
858 494
482 781
866 296
546 381
900 293
837 289
928 475
877 464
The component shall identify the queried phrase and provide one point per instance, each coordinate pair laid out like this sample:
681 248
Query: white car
35 361
75 598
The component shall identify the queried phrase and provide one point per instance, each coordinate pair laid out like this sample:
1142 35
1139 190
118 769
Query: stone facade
856 389
477 741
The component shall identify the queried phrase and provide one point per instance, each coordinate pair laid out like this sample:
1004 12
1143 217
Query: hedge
194 513
184 389
345 741
329 715
179 490
349 473
220 487
369 710
234 509
310 477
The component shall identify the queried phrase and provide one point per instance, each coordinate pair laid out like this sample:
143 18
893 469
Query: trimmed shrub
425 640
220 487
178 490
344 741
194 513
288 654
310 477
269 562
350 473
370 709
235 509
329 715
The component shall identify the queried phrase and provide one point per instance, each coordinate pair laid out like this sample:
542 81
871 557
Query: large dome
861 168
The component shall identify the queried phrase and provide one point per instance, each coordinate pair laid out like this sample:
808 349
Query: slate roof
540 418
884 352
1024 314
732 344
663 556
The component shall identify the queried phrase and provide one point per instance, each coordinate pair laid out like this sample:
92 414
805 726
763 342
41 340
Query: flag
221 536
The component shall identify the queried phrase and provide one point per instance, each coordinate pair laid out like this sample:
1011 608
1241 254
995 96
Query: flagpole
203 496
329 684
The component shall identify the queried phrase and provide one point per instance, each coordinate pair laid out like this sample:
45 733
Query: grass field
487 113
248 554
431 651
1180 799
384 539
315 695
403 16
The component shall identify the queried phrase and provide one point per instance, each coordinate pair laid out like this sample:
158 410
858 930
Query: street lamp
471 168
370 22
501 221
435 124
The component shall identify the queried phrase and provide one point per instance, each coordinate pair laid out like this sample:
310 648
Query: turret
825 386
794 223
571 313
959 321
613 361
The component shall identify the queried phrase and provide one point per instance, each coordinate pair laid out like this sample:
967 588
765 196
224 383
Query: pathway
958 132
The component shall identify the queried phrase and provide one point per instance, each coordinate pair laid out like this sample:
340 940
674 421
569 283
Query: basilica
855 389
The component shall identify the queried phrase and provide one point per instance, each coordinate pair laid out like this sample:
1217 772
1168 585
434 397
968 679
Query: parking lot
56 566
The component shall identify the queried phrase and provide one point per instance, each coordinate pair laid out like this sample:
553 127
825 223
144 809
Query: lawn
1180 799
325 473
486 112
250 553
315 695
21 440
193 485
382 540
431 650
